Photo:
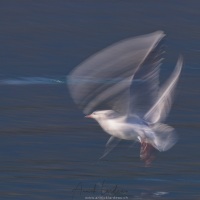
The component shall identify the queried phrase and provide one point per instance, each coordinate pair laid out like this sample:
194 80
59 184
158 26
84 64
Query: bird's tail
164 137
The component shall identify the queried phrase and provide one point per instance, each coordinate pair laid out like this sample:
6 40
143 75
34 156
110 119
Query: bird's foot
147 153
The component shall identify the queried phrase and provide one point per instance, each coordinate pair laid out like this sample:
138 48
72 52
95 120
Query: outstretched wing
105 78
162 105
145 86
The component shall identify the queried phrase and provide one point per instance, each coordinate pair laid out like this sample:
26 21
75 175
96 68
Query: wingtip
180 57
179 63
160 33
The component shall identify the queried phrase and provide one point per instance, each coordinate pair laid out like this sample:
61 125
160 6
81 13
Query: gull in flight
119 87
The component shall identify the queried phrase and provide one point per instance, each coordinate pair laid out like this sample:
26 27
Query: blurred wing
145 85
162 106
104 79
110 145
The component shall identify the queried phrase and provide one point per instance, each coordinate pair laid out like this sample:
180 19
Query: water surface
47 149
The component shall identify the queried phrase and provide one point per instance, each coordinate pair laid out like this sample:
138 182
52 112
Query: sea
48 150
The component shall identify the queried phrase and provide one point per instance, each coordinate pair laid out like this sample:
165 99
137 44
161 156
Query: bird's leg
147 152
143 150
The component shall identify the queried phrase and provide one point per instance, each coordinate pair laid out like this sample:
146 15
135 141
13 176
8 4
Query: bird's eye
94 113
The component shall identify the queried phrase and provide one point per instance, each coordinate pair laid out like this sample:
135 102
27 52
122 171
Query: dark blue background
46 146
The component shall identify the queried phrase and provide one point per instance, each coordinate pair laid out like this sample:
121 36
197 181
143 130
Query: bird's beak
88 116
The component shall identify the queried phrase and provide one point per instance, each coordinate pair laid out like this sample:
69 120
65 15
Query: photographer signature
98 189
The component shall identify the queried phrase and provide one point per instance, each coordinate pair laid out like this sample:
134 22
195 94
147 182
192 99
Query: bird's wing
159 111
110 145
105 78
145 85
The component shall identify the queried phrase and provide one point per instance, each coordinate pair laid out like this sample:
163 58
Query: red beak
88 116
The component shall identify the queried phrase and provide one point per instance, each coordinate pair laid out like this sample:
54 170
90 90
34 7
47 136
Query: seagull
119 87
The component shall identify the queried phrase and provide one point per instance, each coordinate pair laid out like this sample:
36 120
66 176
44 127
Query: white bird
122 82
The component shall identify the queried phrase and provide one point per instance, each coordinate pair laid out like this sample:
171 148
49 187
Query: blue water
47 148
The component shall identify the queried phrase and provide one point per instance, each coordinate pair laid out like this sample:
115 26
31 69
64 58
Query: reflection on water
46 145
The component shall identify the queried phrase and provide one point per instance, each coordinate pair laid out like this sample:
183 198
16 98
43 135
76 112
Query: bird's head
102 114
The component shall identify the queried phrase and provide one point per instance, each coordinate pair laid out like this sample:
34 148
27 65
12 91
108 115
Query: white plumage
122 82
